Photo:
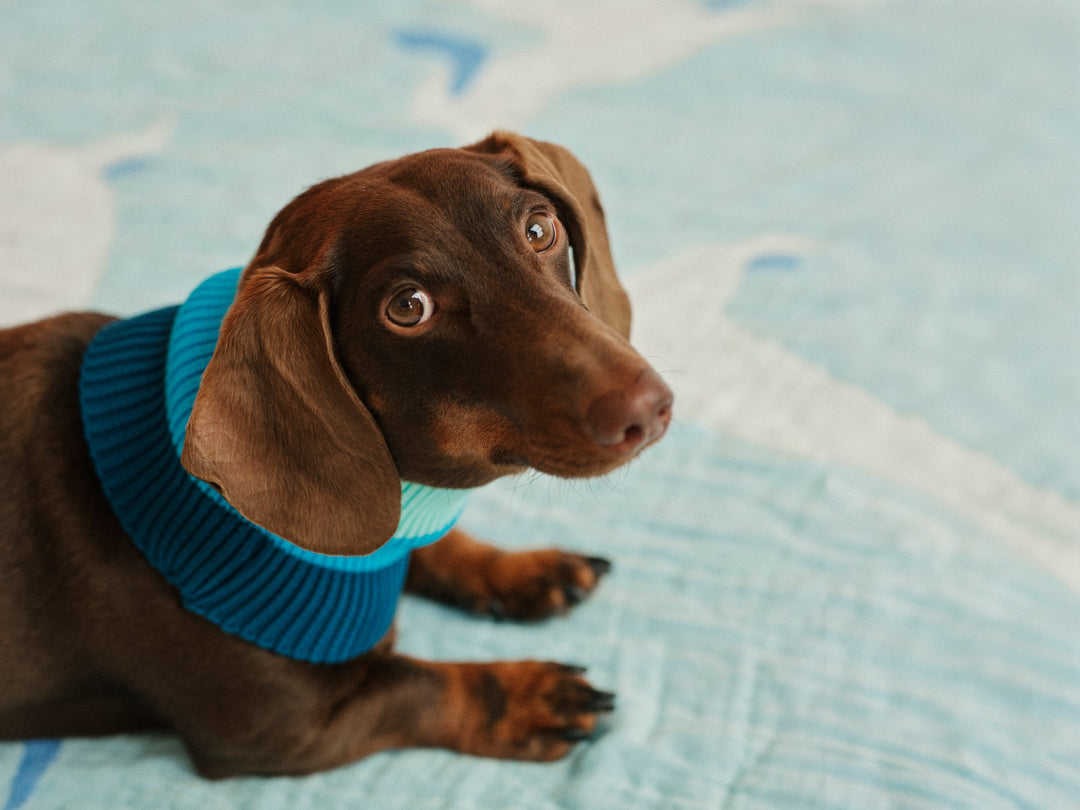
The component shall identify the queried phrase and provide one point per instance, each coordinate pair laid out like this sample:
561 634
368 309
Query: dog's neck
139 381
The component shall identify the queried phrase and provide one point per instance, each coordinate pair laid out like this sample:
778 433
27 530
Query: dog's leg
528 710
464 572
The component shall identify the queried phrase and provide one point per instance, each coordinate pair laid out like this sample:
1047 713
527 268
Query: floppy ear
553 170
278 430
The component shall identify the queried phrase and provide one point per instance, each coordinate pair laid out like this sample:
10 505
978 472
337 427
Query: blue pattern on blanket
37 756
466 56
850 575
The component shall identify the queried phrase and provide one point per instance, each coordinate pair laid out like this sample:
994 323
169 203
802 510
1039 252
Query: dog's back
53 519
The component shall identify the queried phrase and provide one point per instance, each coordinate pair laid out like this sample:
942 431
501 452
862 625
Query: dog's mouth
572 463
607 441
479 443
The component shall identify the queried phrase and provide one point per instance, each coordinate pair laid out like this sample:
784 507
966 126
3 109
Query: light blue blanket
850 575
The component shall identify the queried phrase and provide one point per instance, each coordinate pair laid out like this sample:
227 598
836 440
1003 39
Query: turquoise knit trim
139 378
427 513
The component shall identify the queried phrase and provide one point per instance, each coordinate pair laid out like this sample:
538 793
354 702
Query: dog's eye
540 231
410 307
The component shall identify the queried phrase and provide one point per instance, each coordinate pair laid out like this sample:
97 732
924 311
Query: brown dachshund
444 319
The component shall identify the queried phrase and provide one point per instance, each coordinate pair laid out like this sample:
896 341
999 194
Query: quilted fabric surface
850 575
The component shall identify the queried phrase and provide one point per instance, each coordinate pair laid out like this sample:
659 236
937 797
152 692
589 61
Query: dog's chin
506 464
570 461
559 469
599 462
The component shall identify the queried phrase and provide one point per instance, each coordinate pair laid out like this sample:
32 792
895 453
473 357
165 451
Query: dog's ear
280 432
554 171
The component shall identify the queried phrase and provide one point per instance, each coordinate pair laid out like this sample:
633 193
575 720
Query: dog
402 334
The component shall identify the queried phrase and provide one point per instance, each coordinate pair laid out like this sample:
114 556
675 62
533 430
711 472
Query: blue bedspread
850 575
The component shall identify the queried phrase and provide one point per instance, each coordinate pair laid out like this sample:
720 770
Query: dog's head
445 318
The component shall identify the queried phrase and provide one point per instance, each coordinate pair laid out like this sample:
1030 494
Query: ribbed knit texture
139 380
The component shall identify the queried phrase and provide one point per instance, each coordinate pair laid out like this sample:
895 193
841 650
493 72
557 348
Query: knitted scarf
138 384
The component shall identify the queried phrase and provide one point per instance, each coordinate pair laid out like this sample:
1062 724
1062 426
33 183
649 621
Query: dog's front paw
522 585
532 710
529 585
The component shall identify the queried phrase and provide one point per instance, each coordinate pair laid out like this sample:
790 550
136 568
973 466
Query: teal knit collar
138 384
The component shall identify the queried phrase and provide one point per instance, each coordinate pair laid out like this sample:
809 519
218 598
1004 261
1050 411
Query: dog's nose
628 419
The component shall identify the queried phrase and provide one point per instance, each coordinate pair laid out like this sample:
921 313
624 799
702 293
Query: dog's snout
627 419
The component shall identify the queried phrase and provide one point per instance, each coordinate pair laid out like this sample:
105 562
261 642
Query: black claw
599 565
496 610
601 701
572 669
574 594
574 734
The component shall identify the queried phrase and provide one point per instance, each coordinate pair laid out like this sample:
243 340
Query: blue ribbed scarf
138 384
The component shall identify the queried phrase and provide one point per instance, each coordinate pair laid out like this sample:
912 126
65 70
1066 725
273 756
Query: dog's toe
599 565
538 584
545 709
